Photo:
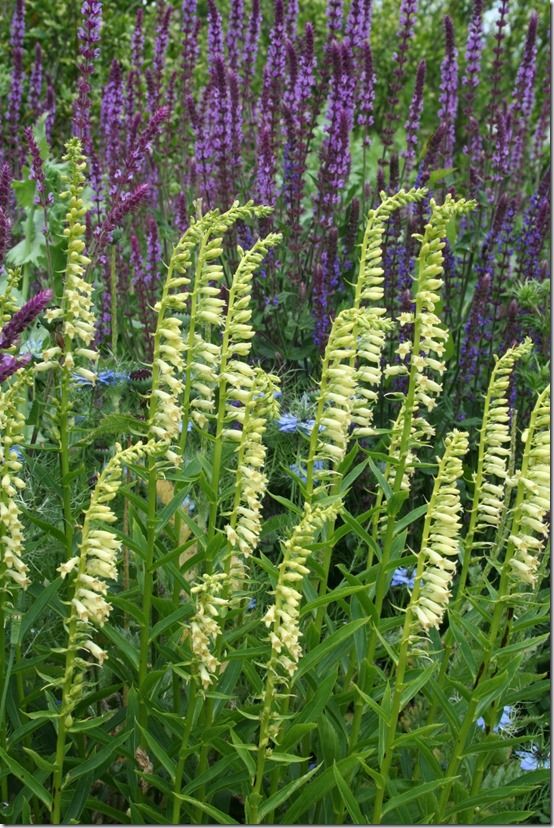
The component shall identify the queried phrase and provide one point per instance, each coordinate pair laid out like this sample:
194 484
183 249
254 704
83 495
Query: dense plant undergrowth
274 414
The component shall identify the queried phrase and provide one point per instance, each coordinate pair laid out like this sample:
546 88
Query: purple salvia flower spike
35 83
5 187
36 172
23 318
50 107
524 93
334 18
17 33
215 33
448 97
358 22
474 49
234 31
5 235
291 18
9 364
366 92
404 34
89 37
414 116
251 41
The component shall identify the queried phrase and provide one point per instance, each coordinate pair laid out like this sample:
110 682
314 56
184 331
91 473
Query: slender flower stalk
90 570
282 619
431 594
77 321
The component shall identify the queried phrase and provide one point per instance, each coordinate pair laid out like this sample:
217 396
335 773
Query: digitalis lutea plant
77 318
426 354
435 570
14 572
283 621
520 565
90 572
529 527
490 479
410 429
369 293
245 522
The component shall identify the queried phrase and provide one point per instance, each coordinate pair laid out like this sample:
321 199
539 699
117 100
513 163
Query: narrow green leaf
98 758
27 778
285 793
415 793
348 797
158 752
328 646
211 810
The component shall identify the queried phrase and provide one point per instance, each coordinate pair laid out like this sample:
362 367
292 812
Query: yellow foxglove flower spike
529 528
441 538
245 524
13 570
205 628
369 285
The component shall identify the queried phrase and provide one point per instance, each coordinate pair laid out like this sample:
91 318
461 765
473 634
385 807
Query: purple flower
366 91
448 97
404 34
89 36
414 116
10 364
35 83
215 33
17 33
36 172
474 48
234 31
334 18
358 22
23 318
251 41
111 118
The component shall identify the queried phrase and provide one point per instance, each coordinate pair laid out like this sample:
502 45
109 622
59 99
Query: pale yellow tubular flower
369 285
77 306
426 355
14 572
245 523
209 307
283 616
96 562
441 537
371 332
497 439
336 395
205 628
529 527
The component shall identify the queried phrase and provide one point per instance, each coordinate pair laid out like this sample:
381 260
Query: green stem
64 461
183 751
64 720
113 310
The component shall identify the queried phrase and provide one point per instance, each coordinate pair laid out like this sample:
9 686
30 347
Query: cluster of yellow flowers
205 627
96 562
426 353
529 527
12 424
283 616
77 311
441 533
244 527
497 439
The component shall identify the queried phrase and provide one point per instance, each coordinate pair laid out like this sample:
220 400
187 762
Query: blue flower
403 577
251 605
103 377
300 471
287 423
112 377
18 451
188 503
532 759
503 724
307 426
